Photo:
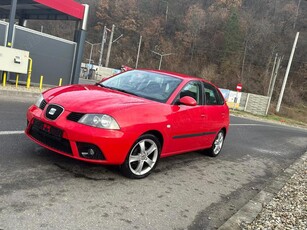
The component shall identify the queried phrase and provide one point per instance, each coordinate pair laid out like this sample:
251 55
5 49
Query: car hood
91 99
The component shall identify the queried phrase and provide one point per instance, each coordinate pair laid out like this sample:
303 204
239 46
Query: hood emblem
52 111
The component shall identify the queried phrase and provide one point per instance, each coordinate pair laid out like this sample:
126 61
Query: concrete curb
33 91
251 209
20 92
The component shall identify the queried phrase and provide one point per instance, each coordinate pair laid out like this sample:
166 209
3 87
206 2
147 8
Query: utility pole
110 45
104 37
287 73
275 76
138 55
271 89
272 74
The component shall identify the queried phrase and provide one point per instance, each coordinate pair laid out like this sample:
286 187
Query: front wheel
217 144
142 158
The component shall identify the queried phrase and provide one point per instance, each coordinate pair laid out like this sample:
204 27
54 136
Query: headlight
39 100
99 121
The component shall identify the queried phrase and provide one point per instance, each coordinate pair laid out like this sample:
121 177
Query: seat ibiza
131 119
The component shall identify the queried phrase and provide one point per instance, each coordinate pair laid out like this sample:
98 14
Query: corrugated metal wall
52 57
3 32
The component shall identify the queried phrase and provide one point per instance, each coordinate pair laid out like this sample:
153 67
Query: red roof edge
68 7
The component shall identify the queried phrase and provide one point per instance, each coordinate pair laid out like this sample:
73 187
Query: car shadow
97 172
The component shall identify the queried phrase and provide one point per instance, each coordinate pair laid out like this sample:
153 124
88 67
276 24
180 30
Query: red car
131 119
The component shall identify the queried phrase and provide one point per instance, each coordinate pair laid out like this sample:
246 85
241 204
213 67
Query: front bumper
75 140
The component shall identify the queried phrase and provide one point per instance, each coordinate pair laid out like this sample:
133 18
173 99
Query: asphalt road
40 189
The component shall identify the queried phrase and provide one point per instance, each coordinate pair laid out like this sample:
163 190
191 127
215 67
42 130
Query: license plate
47 129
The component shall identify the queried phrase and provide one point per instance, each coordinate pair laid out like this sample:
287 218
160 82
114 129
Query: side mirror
187 100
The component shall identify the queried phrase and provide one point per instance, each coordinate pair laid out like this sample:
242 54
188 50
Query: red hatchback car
131 119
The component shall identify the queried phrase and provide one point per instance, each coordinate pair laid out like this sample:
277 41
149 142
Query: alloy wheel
143 157
218 143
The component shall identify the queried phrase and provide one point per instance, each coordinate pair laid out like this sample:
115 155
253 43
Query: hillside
224 41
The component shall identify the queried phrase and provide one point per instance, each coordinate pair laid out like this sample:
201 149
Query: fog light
89 151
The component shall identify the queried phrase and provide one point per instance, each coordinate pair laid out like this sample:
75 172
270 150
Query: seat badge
52 111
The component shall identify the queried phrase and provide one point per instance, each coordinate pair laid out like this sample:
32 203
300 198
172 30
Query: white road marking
249 125
261 125
277 126
11 132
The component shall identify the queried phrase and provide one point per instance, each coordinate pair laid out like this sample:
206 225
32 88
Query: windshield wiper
125 91
99 84
104 86
113 88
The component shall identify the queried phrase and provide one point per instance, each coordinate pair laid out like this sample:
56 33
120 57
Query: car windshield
149 85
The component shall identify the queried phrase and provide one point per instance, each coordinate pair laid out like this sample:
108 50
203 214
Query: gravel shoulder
281 205
288 209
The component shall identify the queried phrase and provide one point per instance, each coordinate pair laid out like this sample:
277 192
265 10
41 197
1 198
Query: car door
186 122
215 110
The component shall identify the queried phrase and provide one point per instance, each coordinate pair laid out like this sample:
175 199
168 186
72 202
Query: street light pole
90 60
119 37
138 55
161 57
92 45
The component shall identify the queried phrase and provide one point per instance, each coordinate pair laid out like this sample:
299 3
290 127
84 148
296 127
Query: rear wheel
142 158
217 144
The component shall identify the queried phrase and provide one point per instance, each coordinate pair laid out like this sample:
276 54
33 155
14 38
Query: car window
212 96
149 85
192 89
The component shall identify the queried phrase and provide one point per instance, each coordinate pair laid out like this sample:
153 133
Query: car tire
142 157
217 144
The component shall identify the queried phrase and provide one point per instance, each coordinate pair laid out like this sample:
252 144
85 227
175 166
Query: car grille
54 111
50 136
43 104
75 116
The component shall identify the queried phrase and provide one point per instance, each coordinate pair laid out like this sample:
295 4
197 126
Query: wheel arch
224 130
157 134
128 170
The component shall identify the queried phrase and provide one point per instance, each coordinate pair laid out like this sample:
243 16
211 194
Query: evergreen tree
232 36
